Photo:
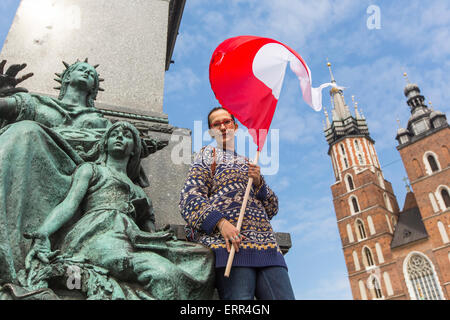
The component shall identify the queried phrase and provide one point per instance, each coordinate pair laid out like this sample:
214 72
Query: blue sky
413 37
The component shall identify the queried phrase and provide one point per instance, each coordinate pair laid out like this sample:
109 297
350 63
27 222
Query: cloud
182 81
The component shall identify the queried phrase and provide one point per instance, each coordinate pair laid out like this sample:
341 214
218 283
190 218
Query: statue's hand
8 80
40 249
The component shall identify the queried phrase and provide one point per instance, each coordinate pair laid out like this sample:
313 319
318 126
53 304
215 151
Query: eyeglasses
226 123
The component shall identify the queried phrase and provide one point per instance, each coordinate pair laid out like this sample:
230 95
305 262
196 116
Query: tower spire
337 97
355 104
327 119
331 72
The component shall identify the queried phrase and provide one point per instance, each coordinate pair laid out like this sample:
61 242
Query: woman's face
120 142
222 126
83 76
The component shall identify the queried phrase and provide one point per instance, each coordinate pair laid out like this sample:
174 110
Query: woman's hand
40 249
254 171
8 80
230 233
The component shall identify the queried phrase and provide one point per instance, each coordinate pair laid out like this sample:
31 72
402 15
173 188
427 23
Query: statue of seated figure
39 153
112 242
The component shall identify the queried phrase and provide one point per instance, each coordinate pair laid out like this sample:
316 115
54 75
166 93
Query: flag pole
241 218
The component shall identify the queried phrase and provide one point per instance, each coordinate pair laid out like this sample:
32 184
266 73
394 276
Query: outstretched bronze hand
8 80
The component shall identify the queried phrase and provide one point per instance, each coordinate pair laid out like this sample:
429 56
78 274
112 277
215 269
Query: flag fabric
246 75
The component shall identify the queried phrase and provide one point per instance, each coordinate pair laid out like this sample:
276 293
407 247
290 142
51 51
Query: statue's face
120 142
83 76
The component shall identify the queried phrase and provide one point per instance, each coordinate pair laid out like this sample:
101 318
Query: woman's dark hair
215 109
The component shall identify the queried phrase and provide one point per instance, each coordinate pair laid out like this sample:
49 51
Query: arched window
376 288
351 186
442 195
379 253
421 278
394 223
355 205
433 202
389 224
356 261
387 282
362 290
361 231
342 149
350 233
371 225
361 161
344 155
445 197
380 180
433 164
369 258
446 153
356 145
387 202
443 232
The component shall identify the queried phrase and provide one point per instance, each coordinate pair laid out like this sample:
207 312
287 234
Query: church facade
392 252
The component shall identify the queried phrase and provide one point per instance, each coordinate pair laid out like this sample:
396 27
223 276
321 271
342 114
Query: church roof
410 227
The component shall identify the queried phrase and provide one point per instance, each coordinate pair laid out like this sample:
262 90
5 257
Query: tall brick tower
365 204
392 254
424 149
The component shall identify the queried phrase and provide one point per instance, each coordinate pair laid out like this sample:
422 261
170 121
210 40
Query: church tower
424 256
392 253
365 204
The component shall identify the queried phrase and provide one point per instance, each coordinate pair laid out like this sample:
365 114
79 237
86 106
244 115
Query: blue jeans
246 283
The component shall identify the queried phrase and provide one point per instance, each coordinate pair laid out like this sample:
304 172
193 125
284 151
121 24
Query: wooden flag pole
241 218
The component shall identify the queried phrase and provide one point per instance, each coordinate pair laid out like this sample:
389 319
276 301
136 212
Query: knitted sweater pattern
205 199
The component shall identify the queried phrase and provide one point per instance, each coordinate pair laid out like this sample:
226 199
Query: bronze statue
105 226
116 232
42 140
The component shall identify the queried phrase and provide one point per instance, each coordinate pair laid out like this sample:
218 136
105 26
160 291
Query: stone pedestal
127 38
133 42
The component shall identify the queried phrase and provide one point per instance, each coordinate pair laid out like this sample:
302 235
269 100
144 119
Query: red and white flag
246 75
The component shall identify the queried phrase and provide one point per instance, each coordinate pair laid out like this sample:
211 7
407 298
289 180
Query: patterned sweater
205 199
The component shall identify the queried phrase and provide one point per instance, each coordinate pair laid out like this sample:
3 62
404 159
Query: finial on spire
355 104
406 77
431 105
398 122
328 124
408 189
331 72
362 114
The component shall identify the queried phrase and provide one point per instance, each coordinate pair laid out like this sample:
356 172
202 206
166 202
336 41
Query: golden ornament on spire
331 73
406 77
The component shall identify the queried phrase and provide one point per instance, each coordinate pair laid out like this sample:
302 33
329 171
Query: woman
116 231
210 203
41 143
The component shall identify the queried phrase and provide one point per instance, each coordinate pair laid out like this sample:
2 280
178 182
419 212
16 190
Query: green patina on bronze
73 208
